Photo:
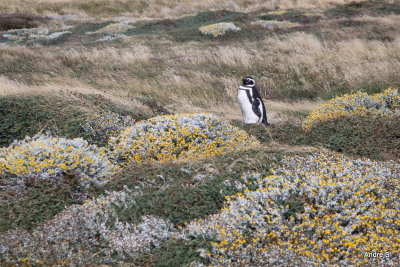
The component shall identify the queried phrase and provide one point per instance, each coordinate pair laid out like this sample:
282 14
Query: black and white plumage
251 104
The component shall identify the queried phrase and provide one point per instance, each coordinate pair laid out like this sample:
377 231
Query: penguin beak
244 80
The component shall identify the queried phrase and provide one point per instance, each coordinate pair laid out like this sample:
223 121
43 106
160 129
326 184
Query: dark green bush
375 138
39 201
19 21
29 115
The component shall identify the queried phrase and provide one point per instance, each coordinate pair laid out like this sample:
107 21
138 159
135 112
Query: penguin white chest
249 116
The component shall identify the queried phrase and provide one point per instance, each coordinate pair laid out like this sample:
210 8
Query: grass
377 139
164 8
61 116
163 59
40 201
175 253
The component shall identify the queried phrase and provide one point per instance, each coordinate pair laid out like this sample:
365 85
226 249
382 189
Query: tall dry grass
153 8
196 77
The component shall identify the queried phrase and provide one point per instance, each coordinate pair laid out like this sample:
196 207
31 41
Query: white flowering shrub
277 12
47 157
111 37
316 210
275 24
184 136
219 29
88 233
385 104
101 126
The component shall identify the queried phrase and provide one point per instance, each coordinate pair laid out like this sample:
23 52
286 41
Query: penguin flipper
256 107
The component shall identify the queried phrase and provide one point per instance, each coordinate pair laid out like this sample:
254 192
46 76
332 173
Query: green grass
27 116
63 116
374 138
359 136
175 253
373 7
39 201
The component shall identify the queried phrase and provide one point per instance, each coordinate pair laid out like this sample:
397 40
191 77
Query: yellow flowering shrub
317 210
184 136
49 157
219 29
385 104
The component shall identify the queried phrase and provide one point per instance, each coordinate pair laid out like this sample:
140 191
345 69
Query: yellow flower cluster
385 104
219 29
49 157
316 210
184 136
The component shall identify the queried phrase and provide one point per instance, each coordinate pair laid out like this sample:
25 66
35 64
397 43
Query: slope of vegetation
121 140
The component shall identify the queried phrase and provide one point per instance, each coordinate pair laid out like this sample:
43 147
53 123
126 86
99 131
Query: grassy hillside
153 8
109 154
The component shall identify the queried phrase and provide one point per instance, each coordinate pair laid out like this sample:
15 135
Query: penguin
251 104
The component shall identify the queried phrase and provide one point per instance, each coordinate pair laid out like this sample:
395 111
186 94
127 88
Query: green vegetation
23 116
20 21
375 138
29 115
39 202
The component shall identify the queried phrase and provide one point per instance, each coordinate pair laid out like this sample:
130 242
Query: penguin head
248 81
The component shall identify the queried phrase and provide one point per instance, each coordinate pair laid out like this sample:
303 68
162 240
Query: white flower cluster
219 29
34 34
111 37
320 209
101 126
81 231
275 24
47 157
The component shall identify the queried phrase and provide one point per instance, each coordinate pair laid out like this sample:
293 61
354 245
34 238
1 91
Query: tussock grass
293 66
154 8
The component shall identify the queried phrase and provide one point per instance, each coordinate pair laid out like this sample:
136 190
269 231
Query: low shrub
185 136
375 138
385 104
19 21
33 201
321 209
45 157
275 24
86 234
219 29
23 116
101 126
